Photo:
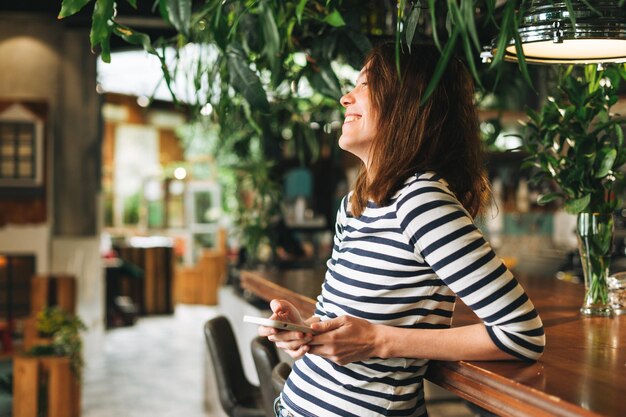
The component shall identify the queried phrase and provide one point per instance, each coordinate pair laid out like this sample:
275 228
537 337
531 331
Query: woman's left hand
344 339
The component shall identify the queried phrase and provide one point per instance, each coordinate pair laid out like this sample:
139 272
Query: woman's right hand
295 344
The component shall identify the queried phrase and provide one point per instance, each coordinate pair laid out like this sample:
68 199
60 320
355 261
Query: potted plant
577 142
63 329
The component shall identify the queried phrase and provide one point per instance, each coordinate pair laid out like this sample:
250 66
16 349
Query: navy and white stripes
403 265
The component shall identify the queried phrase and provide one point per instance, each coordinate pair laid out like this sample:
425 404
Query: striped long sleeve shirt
403 265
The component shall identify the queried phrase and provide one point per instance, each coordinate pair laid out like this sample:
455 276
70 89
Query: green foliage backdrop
246 69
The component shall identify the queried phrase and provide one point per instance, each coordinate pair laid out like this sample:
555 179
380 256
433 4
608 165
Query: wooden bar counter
581 373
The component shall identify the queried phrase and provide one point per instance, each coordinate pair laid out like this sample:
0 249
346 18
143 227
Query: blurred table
581 373
123 281
157 263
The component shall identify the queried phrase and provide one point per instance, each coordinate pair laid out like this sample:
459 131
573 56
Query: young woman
405 247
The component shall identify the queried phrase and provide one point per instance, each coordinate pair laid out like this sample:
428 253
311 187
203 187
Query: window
17 151
203 210
21 146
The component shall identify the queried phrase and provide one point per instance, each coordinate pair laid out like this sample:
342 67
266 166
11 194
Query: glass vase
595 243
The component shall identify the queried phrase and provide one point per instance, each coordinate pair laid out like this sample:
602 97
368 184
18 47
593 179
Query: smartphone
277 324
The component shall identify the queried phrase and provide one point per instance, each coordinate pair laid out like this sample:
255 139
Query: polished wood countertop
581 373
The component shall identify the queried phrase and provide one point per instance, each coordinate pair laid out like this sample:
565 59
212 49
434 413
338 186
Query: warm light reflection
206 110
591 49
3 261
143 101
180 173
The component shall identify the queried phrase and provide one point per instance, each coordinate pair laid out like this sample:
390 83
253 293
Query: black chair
239 398
280 373
265 359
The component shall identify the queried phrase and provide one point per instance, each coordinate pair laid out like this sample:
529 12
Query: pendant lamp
549 37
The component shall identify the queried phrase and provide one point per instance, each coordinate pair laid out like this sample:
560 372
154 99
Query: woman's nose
346 99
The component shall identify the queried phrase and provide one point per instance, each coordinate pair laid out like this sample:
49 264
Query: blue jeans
279 410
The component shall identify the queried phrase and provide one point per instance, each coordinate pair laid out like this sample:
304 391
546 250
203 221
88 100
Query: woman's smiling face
360 124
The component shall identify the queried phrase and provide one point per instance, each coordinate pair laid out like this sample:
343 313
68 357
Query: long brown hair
441 135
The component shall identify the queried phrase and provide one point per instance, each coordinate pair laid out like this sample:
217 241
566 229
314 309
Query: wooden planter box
52 374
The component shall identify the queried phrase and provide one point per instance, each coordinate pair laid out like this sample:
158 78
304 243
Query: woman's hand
344 339
295 344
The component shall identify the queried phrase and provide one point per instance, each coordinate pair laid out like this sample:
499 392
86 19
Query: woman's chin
344 143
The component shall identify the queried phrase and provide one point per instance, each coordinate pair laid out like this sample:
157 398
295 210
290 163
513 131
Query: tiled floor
151 369
156 369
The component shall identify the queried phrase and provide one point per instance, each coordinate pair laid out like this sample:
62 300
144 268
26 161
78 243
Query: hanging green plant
268 30
577 142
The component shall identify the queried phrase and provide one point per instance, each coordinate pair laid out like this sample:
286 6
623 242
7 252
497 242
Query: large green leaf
534 116
300 10
101 27
330 79
244 80
508 17
577 205
179 14
134 38
460 22
454 12
220 28
521 59
411 23
70 7
143 40
163 10
433 19
548 198
398 43
446 54
491 8
324 81
590 76
619 135
271 37
335 19
468 13
607 159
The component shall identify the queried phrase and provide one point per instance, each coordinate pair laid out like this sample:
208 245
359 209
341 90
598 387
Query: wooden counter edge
497 394
267 290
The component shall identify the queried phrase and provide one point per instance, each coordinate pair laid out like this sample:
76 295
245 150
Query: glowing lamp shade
549 37
597 50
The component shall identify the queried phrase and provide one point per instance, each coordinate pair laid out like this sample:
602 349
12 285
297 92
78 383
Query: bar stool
280 373
265 359
239 398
